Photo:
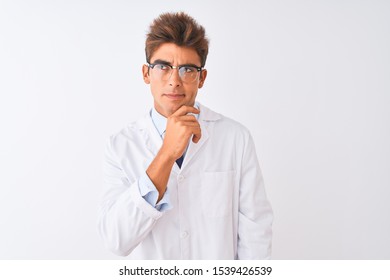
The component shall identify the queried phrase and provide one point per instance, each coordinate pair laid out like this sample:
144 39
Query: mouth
174 96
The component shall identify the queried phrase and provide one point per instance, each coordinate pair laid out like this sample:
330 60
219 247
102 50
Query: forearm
159 171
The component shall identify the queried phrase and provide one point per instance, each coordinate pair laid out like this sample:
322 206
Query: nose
174 79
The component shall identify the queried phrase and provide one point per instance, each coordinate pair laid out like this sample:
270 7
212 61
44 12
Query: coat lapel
207 118
193 148
150 134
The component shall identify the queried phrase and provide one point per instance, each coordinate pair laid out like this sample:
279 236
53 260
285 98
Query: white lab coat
219 206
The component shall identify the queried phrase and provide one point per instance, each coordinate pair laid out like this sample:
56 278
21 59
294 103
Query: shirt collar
160 122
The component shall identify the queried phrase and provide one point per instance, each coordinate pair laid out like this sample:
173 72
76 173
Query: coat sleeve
255 214
125 218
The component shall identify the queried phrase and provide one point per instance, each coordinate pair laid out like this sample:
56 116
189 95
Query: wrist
166 156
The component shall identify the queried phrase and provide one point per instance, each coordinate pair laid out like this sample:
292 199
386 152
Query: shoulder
131 133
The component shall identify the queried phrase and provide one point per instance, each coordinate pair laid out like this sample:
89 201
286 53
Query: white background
310 79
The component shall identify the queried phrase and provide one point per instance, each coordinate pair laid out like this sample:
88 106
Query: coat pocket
216 192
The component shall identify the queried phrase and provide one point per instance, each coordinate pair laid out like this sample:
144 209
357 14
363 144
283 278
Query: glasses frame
198 69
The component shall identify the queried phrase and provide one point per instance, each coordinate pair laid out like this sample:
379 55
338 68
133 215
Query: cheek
155 87
191 90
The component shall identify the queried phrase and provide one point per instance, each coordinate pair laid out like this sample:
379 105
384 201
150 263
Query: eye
161 67
189 69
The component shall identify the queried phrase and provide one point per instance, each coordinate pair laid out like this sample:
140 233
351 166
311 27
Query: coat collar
207 115
153 140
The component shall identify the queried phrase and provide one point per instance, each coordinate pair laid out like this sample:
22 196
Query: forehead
175 54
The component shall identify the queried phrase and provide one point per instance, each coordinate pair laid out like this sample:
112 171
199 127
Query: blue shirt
146 187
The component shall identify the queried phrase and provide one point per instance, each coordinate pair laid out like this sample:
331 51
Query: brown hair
180 29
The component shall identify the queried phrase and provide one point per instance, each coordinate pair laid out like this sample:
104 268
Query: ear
145 74
203 75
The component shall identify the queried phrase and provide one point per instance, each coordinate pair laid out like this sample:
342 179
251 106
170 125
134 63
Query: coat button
184 234
180 178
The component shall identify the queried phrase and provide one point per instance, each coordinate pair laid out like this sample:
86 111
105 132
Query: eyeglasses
187 73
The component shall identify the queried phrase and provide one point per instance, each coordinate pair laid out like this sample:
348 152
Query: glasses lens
162 71
187 74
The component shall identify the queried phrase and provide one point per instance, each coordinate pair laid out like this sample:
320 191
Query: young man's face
171 93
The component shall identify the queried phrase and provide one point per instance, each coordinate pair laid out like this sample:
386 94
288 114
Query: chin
168 108
174 105
172 109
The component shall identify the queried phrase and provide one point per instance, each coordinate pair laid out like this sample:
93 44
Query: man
183 182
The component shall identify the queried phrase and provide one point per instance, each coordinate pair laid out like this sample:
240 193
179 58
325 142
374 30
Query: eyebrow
161 61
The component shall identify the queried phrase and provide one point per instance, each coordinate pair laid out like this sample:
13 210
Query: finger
188 130
189 123
186 118
197 134
184 110
196 137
